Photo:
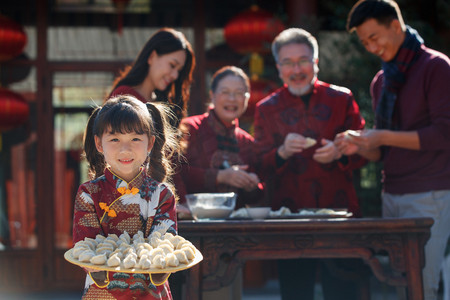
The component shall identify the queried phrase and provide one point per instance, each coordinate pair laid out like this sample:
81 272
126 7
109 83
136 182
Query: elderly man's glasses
289 64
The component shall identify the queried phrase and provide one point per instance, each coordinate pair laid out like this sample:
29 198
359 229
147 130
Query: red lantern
14 109
259 89
12 38
252 31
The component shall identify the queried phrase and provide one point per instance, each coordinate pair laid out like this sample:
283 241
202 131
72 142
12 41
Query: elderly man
302 168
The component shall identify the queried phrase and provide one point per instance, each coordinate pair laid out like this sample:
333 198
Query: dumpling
113 236
91 243
106 245
99 238
166 248
181 256
138 235
103 250
78 250
81 243
156 251
167 236
166 242
145 246
129 261
118 252
111 242
171 260
176 239
190 253
154 241
143 252
125 237
158 262
99 259
138 240
124 246
184 243
86 256
114 260
144 262
156 234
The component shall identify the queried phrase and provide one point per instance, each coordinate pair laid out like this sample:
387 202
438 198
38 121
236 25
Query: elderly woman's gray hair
294 36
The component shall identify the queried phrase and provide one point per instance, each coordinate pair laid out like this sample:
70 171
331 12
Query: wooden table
235 242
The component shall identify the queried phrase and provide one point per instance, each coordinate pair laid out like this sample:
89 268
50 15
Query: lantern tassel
256 65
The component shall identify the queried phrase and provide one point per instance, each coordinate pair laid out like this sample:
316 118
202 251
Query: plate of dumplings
159 253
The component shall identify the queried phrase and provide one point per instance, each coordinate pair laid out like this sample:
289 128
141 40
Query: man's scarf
394 78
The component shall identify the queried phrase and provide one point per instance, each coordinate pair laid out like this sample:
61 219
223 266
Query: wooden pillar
198 89
44 163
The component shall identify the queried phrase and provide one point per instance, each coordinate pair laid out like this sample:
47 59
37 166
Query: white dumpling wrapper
86 256
158 262
166 248
181 256
175 240
125 237
171 260
114 260
113 237
99 238
78 250
129 261
144 263
99 259
190 254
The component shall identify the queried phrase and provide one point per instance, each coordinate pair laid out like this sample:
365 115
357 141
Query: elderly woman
219 154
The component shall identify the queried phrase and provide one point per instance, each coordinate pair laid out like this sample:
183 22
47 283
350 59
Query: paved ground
269 292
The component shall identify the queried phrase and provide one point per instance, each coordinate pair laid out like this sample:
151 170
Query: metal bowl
211 205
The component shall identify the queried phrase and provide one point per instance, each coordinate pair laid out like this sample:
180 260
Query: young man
411 98
298 173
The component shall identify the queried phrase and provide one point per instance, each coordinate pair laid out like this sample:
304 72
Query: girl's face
230 98
164 69
124 152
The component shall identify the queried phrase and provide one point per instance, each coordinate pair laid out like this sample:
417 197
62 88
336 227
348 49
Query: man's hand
327 153
293 143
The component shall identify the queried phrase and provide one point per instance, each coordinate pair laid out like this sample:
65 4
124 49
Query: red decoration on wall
14 109
120 5
252 31
12 38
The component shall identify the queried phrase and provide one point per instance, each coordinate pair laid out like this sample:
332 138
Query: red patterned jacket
301 182
149 207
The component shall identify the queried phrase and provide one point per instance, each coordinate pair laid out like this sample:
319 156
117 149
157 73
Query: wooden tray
69 257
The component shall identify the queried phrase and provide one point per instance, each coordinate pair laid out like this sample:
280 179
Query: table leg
413 259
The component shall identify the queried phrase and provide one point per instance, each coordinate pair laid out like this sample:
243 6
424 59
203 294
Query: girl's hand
159 279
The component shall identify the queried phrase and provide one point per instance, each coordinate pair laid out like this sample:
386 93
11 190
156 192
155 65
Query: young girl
126 143
162 72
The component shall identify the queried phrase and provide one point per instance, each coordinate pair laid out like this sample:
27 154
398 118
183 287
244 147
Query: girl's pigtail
95 159
165 146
